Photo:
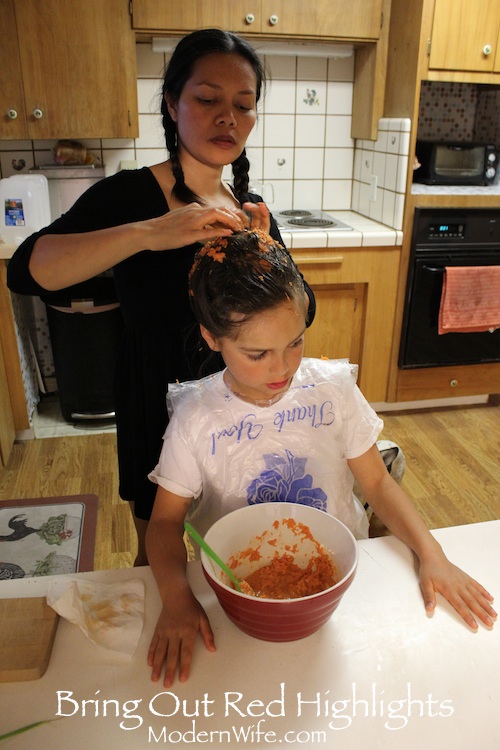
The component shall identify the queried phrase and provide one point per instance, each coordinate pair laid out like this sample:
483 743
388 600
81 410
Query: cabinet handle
37 114
453 383
12 114
487 49
319 259
249 18
273 20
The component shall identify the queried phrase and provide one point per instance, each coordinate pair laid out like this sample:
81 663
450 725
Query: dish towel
470 299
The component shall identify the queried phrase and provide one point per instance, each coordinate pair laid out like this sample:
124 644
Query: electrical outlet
373 187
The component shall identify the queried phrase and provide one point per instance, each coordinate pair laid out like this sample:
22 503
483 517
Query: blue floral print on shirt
284 480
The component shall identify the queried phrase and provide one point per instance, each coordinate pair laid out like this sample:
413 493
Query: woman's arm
61 260
182 616
437 574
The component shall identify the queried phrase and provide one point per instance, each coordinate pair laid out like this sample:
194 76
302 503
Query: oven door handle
433 270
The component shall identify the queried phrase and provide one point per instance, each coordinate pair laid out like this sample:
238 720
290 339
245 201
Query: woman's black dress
160 342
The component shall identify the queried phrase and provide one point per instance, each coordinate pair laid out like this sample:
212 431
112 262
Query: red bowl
278 619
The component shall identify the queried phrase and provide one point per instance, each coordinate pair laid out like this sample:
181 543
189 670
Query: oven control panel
446 230
474 227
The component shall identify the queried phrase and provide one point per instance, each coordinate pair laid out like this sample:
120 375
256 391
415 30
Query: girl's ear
171 106
209 338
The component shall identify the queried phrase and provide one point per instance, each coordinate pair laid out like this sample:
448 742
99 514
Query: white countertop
419 188
365 233
379 674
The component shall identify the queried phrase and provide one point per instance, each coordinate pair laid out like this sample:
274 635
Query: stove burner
312 222
295 212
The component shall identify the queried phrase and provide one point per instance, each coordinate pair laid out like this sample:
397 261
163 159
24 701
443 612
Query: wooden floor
452 474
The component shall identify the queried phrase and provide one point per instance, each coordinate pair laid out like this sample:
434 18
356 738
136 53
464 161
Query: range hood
273 47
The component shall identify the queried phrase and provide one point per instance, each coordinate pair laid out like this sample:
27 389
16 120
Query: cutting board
27 631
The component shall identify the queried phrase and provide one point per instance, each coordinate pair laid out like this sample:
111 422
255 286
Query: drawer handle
433 270
320 259
12 114
487 50
37 113
249 18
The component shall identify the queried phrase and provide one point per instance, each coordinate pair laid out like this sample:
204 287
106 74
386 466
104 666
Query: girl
271 427
146 225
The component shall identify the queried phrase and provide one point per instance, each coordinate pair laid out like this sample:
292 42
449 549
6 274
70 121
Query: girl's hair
234 278
189 50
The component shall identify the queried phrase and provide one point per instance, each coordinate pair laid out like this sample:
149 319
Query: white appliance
24 199
66 184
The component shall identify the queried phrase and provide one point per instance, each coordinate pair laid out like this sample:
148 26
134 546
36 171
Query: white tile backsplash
312 68
310 97
278 163
279 130
309 130
280 97
338 132
339 163
301 146
339 98
307 193
309 164
384 162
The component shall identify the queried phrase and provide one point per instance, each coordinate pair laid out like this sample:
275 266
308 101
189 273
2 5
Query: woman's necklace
256 401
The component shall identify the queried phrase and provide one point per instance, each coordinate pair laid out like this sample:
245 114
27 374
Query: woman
146 225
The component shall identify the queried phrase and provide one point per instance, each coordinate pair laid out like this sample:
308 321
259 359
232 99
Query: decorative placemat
47 536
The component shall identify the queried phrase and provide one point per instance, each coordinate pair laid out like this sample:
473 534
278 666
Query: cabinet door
12 115
79 68
356 291
465 34
337 331
355 19
186 16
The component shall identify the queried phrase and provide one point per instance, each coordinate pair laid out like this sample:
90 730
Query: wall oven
446 237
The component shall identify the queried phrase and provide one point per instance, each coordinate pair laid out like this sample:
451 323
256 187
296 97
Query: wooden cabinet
7 431
358 19
356 292
13 410
67 70
466 35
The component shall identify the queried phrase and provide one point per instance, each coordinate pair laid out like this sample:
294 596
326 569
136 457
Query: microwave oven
455 163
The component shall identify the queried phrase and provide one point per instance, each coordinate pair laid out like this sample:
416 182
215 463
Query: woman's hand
258 216
172 645
466 595
190 224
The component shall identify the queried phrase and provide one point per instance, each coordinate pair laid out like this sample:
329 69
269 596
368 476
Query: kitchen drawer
448 382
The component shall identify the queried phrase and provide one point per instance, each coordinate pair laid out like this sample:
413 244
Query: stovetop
300 220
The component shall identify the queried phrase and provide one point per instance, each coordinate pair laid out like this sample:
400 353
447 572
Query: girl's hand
466 595
258 215
190 224
175 634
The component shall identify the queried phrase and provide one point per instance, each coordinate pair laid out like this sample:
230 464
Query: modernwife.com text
233 717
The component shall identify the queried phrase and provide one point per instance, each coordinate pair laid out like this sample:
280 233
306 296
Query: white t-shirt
228 453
